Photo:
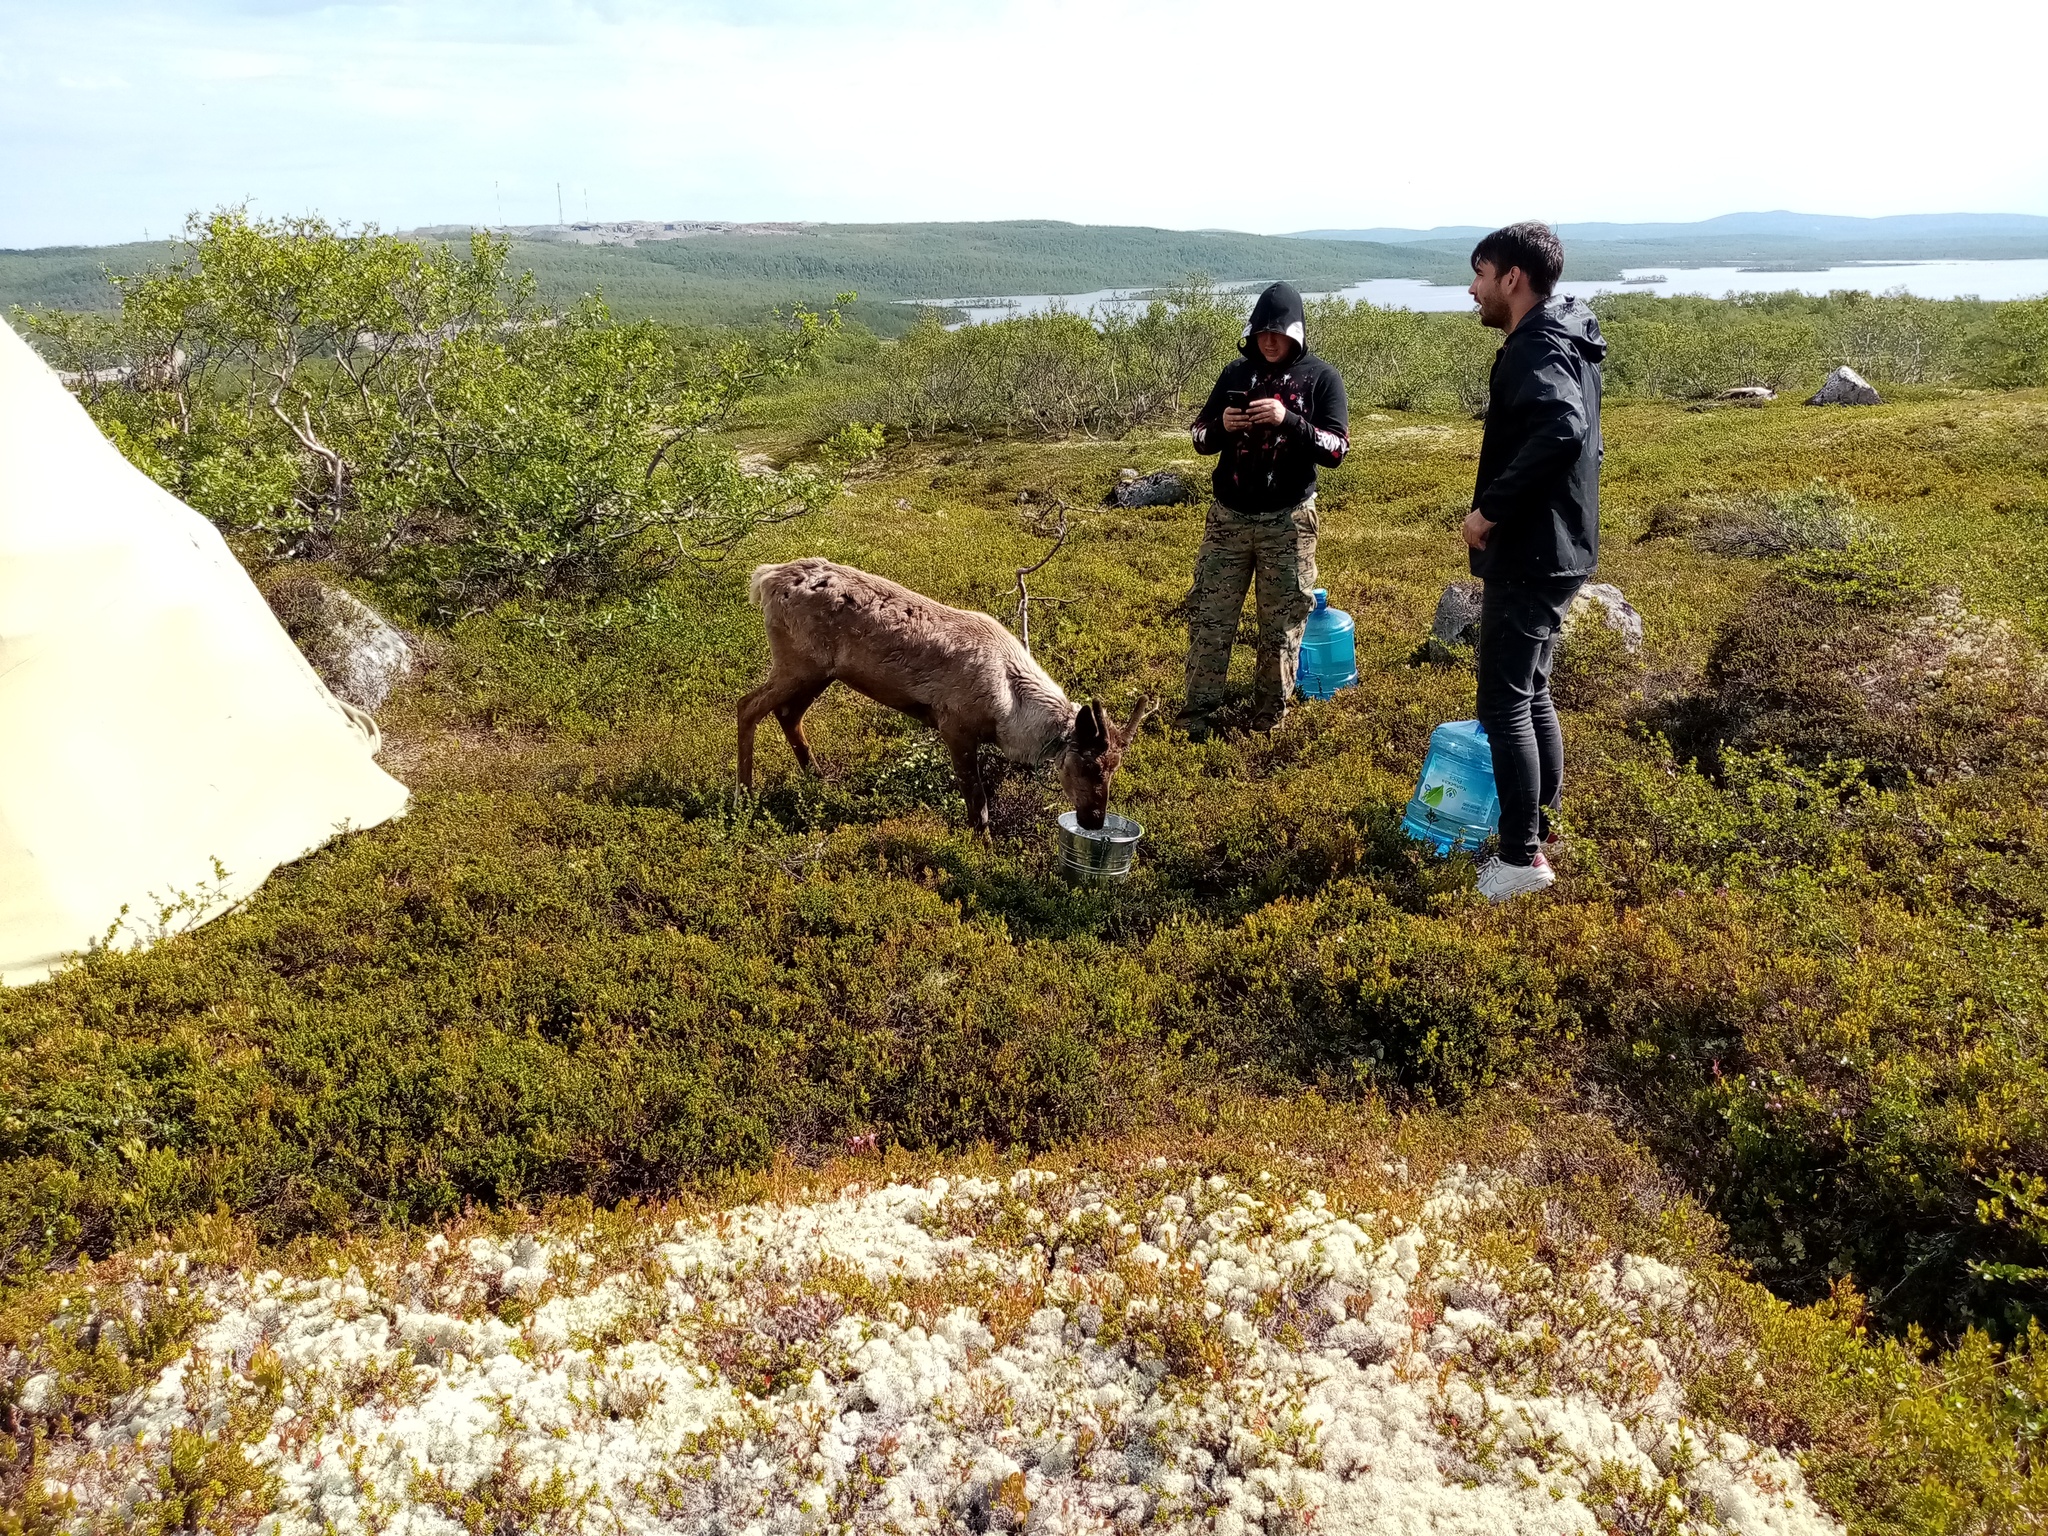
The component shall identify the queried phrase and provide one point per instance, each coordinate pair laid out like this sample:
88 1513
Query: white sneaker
1499 880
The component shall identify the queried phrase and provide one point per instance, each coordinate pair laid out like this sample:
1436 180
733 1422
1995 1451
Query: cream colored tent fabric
154 718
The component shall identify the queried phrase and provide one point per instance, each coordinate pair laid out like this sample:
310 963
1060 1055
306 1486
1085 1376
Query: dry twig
1024 597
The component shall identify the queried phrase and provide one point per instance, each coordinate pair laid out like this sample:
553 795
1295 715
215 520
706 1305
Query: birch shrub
415 415
1054 374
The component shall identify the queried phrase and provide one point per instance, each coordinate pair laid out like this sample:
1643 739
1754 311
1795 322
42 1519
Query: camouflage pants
1279 549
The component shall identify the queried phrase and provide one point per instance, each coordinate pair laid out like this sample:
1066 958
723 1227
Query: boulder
1598 600
1845 386
1162 488
1455 629
357 653
1457 613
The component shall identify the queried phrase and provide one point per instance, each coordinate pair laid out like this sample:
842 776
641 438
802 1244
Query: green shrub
414 415
1771 524
1058 373
2009 350
1842 654
1404 360
1691 348
1349 991
1595 668
1825 1013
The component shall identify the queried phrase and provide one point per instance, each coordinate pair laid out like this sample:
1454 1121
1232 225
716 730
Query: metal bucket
1096 858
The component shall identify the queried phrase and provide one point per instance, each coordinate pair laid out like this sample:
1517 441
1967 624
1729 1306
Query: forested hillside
730 278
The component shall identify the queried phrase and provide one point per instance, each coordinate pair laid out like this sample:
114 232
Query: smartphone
1237 399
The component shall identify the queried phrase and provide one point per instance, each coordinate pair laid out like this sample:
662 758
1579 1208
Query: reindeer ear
1088 732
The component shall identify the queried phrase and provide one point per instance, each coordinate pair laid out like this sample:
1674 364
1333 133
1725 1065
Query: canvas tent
155 721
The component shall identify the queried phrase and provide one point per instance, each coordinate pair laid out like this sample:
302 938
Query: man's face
1274 345
1489 290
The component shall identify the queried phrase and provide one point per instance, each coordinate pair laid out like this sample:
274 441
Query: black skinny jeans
1519 623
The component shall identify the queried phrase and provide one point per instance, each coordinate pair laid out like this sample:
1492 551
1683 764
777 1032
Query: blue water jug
1456 804
1329 659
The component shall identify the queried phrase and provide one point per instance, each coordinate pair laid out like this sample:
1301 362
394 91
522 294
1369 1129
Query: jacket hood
1578 324
1279 309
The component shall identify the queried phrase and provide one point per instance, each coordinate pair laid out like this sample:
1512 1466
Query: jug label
1448 801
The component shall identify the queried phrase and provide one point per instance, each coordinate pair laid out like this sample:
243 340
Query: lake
1928 279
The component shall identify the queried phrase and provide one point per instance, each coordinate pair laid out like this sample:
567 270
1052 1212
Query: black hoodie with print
1269 469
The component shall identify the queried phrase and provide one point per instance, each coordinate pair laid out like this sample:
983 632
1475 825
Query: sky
118 118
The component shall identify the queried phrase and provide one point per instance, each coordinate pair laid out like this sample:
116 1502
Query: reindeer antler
1143 710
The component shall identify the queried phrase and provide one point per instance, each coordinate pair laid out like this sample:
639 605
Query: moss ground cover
1814 987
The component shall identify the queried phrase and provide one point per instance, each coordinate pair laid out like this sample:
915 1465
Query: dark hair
1532 247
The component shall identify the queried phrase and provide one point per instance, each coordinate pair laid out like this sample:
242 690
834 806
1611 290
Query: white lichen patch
1047 1353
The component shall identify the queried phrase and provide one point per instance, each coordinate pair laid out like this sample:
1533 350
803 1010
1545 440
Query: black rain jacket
1270 469
1539 463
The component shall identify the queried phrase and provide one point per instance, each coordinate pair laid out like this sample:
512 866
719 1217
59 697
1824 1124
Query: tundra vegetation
1782 1023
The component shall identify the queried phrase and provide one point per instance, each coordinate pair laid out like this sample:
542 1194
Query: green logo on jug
1434 796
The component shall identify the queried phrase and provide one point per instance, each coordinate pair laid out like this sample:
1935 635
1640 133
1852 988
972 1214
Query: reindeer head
1094 749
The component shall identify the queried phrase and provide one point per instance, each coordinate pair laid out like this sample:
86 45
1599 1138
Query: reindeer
962 673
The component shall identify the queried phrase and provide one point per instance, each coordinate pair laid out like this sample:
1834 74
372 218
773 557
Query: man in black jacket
1534 529
1273 416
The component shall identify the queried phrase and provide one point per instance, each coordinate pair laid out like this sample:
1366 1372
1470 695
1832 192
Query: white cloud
1198 113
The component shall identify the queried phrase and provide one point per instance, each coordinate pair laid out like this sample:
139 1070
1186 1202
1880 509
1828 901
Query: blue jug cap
1322 598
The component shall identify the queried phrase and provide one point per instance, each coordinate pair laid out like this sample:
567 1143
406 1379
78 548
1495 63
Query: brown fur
961 673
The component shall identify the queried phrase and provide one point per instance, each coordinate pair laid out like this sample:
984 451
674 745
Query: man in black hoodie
1273 416
1534 529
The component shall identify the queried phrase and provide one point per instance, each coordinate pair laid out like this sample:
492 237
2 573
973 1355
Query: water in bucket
1329 659
1456 804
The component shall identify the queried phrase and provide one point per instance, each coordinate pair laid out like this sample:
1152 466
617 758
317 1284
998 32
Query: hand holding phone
1235 403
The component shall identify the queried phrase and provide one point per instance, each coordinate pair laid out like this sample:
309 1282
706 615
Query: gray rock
1163 488
357 654
1455 629
1457 614
1845 386
1598 600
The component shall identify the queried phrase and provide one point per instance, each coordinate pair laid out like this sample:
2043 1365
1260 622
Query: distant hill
1443 232
1810 226
712 272
730 272
716 273
1778 239
73 276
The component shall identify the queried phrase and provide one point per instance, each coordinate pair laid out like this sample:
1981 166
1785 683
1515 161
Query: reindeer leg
790 716
749 718
967 769
771 698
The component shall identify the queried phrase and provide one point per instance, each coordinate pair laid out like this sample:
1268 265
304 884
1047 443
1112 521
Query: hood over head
1279 309
1578 323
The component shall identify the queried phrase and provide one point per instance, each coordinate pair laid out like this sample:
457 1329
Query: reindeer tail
761 585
